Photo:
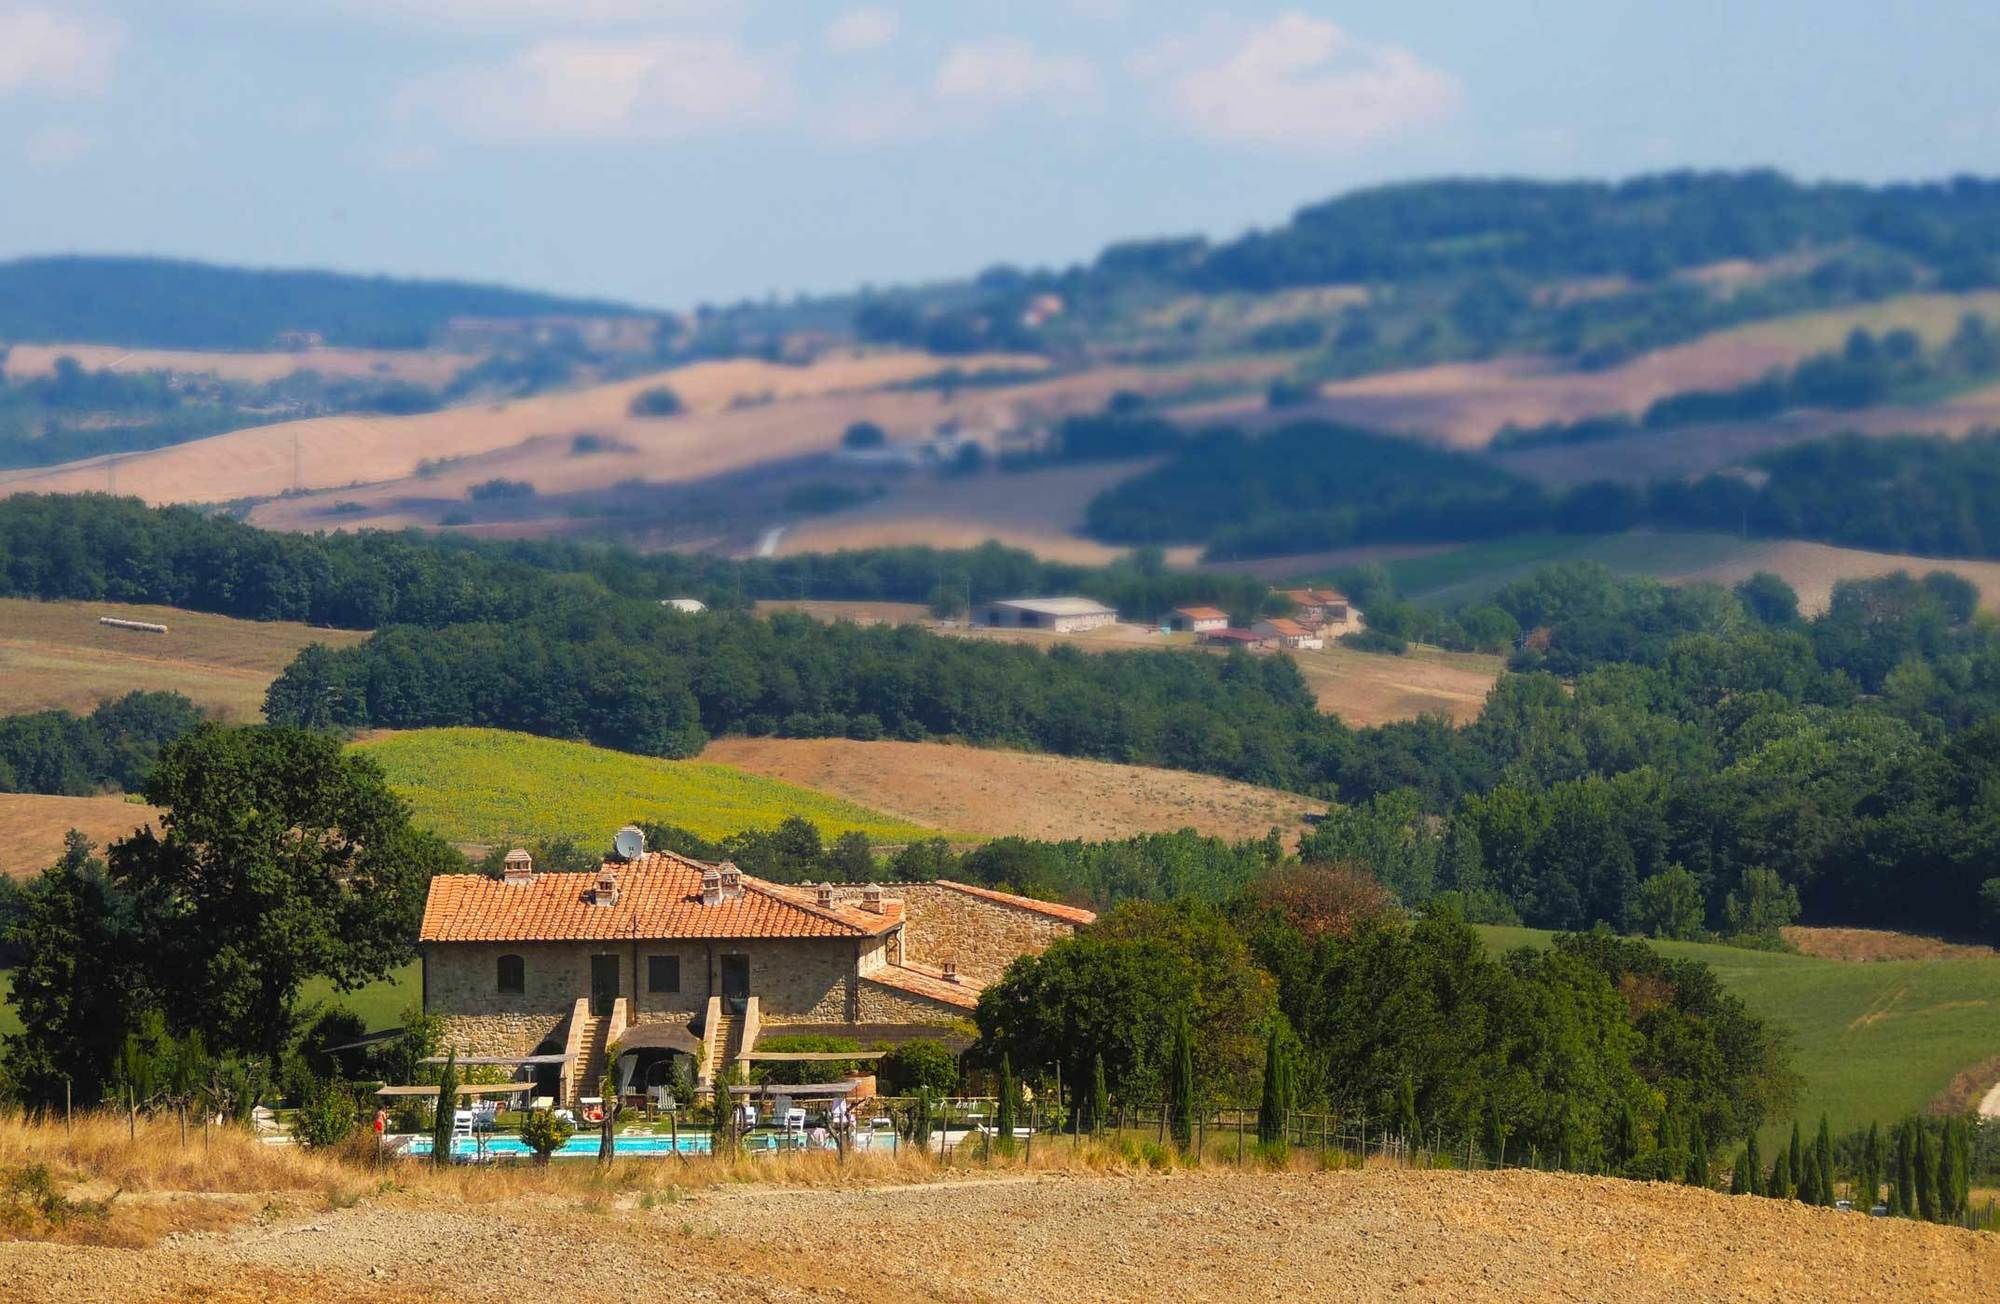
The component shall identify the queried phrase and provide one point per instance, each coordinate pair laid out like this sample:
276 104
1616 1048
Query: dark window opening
513 974
663 973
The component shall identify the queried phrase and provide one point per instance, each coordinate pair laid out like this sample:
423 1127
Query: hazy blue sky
673 151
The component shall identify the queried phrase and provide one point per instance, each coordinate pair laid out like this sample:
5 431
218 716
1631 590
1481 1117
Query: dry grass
991 792
417 366
32 826
1814 568
55 654
1868 945
1366 688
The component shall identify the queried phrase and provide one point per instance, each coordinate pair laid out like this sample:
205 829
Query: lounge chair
795 1120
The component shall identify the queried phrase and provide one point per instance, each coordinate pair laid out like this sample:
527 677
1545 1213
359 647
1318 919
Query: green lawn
490 786
380 1005
1872 1041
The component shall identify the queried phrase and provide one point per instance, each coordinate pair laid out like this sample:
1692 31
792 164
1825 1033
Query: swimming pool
583 1144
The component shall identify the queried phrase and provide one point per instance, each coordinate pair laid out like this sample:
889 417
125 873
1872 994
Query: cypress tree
1962 1191
1903 1202
1926 1173
1003 1116
1742 1181
1948 1172
1697 1164
1100 1097
447 1103
1181 1102
1871 1168
1797 1155
1625 1140
1496 1134
1271 1111
1406 1113
1672 1146
1808 1192
1823 1150
1756 1162
1780 1185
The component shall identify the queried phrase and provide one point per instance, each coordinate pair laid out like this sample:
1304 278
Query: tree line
111 749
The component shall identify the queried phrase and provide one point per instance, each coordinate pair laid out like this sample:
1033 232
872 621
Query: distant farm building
1245 638
1286 632
686 606
1315 607
609 334
1196 620
1058 615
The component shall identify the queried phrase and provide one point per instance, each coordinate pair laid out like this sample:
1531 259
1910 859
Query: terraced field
488 786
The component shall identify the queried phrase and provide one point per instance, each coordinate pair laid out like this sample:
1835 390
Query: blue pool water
582 1144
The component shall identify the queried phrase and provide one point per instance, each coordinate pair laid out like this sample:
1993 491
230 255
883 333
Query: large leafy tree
281 859
75 989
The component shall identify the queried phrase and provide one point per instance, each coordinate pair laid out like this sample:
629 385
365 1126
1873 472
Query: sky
674 152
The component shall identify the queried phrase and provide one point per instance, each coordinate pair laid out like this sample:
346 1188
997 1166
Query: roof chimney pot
518 867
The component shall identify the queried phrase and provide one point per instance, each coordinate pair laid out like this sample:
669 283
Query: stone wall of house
501 1034
982 937
803 981
879 1003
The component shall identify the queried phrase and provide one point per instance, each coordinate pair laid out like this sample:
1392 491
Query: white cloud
649 87
558 14
57 53
1301 82
857 30
1000 70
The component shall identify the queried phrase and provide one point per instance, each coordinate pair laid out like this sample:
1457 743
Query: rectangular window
663 973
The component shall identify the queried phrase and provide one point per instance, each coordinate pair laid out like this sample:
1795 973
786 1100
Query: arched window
513 974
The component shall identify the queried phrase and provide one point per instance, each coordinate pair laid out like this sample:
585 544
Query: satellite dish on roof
630 844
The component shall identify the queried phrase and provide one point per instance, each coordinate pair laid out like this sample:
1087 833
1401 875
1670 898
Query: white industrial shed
1058 615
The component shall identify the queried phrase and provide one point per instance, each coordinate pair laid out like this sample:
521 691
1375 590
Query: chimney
871 898
519 867
950 969
606 891
720 883
823 894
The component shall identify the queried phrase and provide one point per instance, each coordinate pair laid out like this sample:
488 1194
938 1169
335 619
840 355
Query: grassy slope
1872 1041
1479 569
55 654
488 785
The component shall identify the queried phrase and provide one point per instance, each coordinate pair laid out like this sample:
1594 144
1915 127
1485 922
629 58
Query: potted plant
544 1132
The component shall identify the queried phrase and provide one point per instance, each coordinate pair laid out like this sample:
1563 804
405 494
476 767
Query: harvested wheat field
417 366
55 654
1368 688
906 1235
351 449
982 790
1814 568
32 826
1867 945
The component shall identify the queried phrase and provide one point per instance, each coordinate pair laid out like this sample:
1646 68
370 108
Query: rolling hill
171 304
488 786
56 654
1872 1041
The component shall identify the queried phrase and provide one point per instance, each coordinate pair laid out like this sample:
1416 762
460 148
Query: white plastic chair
795 1120
461 1123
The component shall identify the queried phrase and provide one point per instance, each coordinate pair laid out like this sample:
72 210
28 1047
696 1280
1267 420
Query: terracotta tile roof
1285 628
1202 613
928 984
1053 909
659 895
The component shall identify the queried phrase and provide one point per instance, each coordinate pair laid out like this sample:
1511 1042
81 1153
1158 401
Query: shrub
863 434
545 1132
327 1116
1374 640
659 401
919 1066
795 1073
500 489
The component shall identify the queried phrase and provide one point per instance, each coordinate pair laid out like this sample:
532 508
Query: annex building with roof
687 956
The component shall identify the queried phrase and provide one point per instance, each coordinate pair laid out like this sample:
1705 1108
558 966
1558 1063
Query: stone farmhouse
671 956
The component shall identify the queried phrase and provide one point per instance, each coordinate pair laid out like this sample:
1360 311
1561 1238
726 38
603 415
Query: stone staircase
726 1043
587 1059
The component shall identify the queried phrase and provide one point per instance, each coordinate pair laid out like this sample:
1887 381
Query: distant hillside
162 303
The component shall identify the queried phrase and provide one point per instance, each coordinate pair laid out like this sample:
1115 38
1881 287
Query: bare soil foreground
980 790
1189 1236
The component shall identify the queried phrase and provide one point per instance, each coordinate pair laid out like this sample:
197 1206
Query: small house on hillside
1286 632
1196 620
1058 615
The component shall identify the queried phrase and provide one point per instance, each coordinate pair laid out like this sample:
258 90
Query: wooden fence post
1034 1126
1239 1136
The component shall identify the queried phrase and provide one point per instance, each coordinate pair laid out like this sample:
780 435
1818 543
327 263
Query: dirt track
1206 1236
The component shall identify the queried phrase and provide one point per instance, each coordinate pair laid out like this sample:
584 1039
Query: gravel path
1206 1236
